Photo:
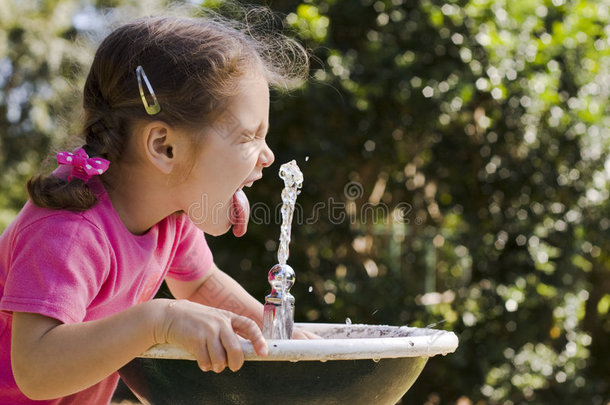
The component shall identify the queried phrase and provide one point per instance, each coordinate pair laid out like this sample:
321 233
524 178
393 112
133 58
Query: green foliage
456 175
38 62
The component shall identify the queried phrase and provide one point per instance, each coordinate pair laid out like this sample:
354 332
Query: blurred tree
38 62
455 174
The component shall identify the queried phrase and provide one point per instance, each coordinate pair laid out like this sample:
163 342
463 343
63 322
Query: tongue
240 213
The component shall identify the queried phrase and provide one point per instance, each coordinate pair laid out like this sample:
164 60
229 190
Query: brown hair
194 66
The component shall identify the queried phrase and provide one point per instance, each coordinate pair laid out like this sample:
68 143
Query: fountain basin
352 364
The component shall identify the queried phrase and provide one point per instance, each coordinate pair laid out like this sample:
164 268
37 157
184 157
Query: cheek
248 153
218 173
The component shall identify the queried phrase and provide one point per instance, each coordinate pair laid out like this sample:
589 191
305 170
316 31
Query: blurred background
456 170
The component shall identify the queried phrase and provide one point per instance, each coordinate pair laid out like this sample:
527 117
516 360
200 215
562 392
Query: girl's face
232 155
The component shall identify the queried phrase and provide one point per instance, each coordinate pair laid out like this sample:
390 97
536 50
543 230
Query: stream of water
293 181
278 316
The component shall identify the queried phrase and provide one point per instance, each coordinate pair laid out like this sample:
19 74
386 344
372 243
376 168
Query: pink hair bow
83 167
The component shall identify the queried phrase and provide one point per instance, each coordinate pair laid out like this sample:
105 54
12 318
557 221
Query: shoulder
34 217
47 242
37 225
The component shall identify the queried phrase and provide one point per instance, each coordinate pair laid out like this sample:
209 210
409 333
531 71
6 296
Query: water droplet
348 321
310 288
376 360
306 158
323 361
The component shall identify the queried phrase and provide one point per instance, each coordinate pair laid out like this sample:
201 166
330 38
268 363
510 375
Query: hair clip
155 108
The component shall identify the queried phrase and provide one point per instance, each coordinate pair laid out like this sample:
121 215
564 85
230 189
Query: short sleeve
58 266
193 258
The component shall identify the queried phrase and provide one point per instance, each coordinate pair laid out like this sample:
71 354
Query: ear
158 145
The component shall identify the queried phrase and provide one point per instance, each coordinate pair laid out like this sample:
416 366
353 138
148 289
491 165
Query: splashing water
293 181
278 315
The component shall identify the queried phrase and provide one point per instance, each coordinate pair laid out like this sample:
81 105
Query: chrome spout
278 313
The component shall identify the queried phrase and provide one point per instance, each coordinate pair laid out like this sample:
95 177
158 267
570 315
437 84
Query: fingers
203 360
235 354
217 353
212 335
222 347
247 328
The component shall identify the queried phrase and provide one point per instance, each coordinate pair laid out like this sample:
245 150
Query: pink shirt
77 267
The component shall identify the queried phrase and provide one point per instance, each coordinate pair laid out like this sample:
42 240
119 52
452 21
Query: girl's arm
51 359
219 290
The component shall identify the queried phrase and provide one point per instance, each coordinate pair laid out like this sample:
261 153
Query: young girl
176 113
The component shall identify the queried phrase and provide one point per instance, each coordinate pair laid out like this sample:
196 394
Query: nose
266 157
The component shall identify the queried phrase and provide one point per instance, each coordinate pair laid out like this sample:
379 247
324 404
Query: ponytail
57 193
51 191
105 131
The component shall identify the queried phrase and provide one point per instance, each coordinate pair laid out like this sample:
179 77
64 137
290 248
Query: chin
215 230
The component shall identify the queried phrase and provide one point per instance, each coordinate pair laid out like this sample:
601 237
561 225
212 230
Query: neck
139 204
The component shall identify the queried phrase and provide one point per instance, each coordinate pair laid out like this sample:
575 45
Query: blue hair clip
151 109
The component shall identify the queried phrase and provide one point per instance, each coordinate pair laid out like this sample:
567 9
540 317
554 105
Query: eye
248 136
252 136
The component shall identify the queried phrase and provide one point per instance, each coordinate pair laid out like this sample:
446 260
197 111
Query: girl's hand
210 334
299 333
